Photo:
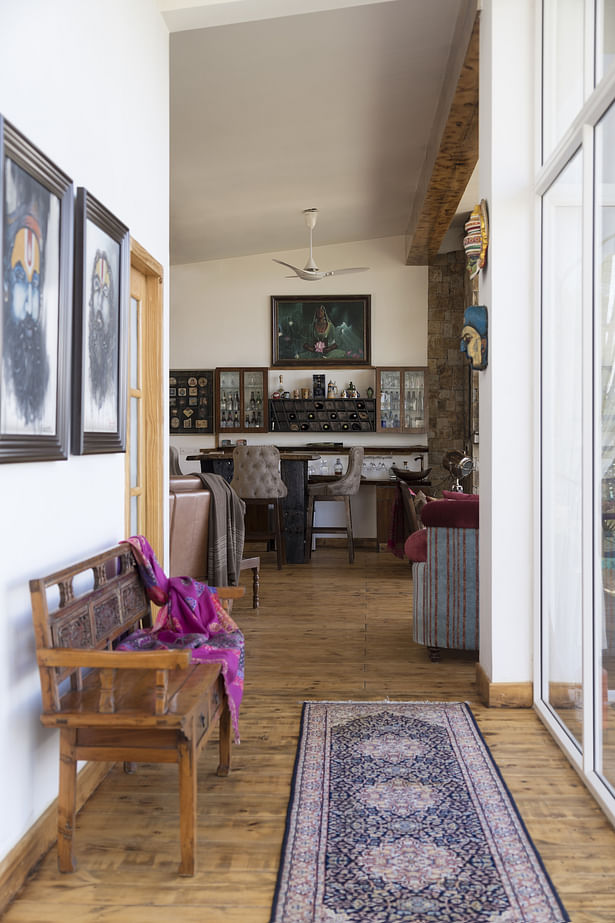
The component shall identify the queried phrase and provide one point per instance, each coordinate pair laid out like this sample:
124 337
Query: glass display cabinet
241 400
402 400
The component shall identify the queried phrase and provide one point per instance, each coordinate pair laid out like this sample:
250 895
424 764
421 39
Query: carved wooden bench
134 706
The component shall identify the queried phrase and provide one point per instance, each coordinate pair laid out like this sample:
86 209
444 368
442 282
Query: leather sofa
189 505
189 508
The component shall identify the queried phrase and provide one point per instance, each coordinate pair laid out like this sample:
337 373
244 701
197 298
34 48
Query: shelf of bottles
402 403
241 400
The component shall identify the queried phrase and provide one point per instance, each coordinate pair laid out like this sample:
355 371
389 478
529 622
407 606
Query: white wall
507 387
87 83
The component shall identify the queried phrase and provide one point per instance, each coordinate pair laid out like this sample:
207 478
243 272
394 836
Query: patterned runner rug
398 814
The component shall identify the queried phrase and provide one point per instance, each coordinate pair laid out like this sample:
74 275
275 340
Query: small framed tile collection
191 401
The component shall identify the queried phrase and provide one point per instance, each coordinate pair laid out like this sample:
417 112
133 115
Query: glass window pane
562 484
414 394
562 77
134 343
134 515
605 37
390 403
253 397
605 322
135 403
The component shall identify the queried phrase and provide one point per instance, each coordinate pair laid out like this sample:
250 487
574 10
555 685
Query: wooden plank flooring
326 630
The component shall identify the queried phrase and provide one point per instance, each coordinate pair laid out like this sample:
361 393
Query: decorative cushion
420 499
457 495
415 547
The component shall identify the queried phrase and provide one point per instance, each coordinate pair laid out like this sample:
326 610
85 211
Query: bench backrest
87 606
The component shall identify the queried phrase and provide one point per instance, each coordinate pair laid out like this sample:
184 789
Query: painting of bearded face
102 259
101 339
31 217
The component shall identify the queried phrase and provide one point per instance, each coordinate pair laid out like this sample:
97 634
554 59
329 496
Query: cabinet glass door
390 399
254 399
228 400
414 400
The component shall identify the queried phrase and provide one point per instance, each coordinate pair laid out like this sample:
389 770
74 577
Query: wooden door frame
153 377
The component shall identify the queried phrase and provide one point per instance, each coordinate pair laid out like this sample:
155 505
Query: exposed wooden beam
454 163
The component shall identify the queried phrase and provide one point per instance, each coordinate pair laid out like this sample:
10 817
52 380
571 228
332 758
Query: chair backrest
174 465
189 527
256 472
411 522
350 482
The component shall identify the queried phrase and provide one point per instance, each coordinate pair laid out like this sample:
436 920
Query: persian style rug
398 814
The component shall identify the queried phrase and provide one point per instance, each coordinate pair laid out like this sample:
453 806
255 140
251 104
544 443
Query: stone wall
449 378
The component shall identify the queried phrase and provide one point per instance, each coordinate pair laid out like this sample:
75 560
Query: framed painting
320 331
36 241
102 255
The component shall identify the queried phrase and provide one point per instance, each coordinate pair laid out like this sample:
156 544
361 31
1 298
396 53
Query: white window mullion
587 385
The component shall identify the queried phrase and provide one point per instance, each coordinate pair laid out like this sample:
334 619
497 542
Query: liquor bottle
338 467
236 420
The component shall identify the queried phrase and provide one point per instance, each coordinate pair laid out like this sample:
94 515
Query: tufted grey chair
257 480
341 489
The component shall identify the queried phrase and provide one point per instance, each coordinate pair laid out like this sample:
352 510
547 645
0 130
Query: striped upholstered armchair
444 558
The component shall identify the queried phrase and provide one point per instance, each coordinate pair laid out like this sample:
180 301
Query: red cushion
415 547
457 495
451 514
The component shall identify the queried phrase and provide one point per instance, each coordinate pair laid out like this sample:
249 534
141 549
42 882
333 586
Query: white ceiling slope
282 105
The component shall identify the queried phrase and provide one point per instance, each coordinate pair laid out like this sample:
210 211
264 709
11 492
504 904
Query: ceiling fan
310 271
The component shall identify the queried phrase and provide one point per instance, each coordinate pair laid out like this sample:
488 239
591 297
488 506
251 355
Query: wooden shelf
334 415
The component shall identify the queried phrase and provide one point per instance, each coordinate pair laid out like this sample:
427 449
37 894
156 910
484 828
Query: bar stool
257 480
341 490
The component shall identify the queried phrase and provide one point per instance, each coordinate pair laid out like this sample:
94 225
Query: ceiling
337 104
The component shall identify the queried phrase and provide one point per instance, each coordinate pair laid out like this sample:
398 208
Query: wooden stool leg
224 730
349 530
310 525
255 586
66 800
187 806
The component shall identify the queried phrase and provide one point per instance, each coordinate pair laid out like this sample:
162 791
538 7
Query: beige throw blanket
226 532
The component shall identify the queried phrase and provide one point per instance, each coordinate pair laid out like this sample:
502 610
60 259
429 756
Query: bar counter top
321 448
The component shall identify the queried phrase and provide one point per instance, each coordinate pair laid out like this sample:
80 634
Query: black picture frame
100 323
346 342
192 410
36 243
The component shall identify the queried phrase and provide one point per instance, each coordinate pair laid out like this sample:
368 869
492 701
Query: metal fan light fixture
459 465
310 271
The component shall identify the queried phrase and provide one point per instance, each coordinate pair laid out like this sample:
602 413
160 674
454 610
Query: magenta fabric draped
191 616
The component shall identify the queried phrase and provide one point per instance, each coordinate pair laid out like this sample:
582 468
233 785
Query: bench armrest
107 662
231 592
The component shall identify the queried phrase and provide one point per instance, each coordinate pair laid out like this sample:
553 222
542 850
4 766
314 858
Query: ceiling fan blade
339 272
290 265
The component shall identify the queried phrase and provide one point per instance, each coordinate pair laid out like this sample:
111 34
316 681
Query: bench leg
187 806
224 730
67 800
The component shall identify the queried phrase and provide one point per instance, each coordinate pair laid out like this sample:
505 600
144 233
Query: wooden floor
326 630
